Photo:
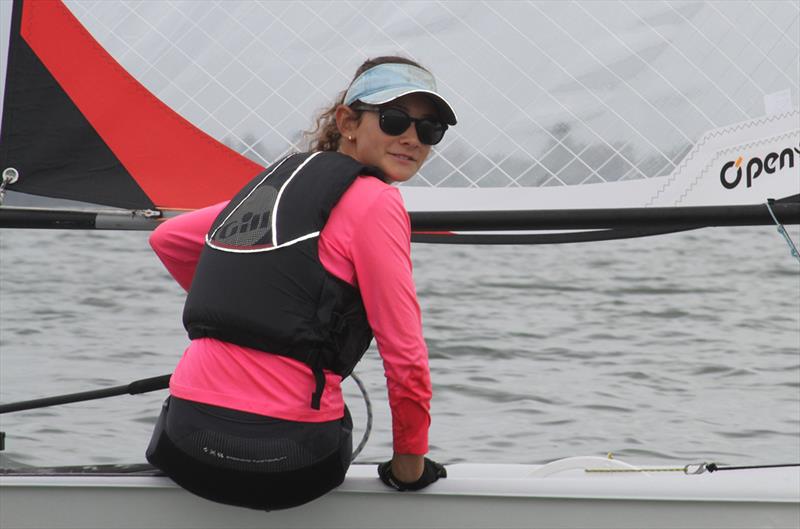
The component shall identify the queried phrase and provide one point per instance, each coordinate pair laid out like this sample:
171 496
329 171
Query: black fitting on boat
2 441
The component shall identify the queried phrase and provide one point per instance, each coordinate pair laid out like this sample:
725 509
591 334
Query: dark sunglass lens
394 121
430 132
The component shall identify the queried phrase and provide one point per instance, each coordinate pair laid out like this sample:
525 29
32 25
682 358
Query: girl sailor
287 284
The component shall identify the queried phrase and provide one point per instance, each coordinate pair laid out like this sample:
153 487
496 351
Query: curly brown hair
325 136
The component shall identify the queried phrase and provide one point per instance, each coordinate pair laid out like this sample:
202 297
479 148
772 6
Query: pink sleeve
179 241
381 254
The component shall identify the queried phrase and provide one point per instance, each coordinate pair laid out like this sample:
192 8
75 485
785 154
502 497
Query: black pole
575 219
33 218
466 237
650 219
66 219
134 388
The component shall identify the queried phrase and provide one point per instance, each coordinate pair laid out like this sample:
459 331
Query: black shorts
249 460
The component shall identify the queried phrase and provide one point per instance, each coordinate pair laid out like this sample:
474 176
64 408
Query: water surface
683 347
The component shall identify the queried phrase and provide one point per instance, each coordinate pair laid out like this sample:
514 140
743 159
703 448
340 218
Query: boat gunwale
779 486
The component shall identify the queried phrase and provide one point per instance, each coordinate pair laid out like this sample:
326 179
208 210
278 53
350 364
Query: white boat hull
496 496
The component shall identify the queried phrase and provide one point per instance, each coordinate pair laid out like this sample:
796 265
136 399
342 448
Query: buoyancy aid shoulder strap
247 222
288 202
313 191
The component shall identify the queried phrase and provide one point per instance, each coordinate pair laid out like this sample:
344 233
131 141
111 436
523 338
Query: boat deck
561 494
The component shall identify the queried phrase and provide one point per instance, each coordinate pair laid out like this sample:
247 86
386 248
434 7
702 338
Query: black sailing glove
431 472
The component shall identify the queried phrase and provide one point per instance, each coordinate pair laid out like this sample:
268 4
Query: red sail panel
176 164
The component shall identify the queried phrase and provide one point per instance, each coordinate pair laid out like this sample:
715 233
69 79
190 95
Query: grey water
678 348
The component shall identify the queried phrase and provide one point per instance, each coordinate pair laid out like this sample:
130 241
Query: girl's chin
396 176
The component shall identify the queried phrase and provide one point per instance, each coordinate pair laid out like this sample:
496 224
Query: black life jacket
259 282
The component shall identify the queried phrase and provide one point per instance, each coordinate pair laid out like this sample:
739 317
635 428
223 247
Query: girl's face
399 157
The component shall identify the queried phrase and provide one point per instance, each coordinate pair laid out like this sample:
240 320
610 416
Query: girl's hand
407 467
431 472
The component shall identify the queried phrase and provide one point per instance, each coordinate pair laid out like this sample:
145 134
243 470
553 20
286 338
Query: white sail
580 104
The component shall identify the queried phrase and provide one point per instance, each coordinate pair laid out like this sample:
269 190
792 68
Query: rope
368 405
782 230
690 469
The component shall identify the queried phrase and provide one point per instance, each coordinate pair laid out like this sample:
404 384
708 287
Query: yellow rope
701 467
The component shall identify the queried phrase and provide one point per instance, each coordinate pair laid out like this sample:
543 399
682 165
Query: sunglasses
395 121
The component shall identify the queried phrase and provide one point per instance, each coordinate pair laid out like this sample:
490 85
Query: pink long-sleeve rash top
366 242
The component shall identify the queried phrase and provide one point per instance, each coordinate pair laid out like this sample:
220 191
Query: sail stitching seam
706 138
726 150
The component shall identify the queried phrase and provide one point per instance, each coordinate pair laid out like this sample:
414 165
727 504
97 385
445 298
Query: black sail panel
47 139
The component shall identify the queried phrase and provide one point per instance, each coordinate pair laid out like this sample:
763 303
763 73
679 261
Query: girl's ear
346 120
